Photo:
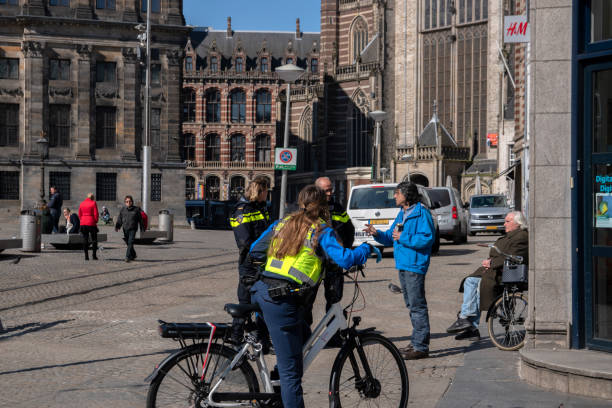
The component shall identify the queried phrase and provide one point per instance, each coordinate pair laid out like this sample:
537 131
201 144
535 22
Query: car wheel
472 233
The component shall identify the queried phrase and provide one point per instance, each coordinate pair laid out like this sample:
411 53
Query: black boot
93 256
86 255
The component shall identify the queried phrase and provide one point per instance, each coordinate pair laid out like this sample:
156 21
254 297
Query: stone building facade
446 64
71 71
233 106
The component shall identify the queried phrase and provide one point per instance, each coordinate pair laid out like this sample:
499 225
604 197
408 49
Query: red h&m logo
516 29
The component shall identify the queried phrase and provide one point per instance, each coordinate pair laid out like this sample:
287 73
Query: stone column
174 14
33 95
83 99
129 11
127 145
33 8
173 103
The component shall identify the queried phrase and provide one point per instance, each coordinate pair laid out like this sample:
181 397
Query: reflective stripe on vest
303 268
244 218
340 217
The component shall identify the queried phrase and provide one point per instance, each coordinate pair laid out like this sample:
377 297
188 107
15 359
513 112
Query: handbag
514 273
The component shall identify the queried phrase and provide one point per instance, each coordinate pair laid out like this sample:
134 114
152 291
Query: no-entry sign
285 158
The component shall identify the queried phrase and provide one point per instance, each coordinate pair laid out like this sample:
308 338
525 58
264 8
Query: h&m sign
516 29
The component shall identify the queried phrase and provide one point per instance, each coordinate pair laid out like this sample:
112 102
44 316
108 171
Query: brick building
70 70
233 105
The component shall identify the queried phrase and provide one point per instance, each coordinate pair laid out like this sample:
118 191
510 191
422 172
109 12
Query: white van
374 204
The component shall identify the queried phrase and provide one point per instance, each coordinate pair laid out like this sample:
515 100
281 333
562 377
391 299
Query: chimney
297 28
229 26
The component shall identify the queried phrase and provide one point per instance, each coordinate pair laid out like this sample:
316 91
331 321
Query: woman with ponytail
293 250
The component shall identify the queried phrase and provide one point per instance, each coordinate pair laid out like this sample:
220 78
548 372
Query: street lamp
378 117
43 150
144 36
288 73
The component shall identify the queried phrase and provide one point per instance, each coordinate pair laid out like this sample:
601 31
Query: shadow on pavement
455 252
433 336
78 363
14 258
30 328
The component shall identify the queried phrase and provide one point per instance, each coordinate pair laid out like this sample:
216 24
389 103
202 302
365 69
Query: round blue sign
286 156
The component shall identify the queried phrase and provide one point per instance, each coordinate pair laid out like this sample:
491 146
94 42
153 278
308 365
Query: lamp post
144 37
378 117
43 150
288 73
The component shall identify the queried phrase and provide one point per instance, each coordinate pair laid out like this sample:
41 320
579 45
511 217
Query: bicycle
208 372
507 314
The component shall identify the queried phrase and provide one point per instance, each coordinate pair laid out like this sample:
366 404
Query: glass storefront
601 20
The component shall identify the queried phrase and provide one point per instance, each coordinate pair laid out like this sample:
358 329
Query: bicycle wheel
387 386
179 382
507 322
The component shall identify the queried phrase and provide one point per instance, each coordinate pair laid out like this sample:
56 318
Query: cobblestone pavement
83 334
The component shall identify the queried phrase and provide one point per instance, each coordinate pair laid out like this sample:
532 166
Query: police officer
341 223
249 220
294 250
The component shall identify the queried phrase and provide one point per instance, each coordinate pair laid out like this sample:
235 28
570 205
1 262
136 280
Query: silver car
448 209
487 213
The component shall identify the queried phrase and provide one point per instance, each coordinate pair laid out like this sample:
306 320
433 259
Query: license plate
379 222
360 234
492 227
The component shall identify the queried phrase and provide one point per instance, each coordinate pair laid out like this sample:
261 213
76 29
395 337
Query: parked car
209 213
374 204
487 213
452 217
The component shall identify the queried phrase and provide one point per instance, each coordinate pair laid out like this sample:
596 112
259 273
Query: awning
509 170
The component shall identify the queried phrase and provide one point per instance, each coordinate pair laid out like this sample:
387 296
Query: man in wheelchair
482 287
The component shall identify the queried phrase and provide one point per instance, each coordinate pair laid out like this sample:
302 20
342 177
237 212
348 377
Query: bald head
325 184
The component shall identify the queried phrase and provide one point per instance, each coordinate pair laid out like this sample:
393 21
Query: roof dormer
189 63
264 62
239 58
290 55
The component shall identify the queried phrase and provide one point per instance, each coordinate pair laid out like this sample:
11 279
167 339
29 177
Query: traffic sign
285 158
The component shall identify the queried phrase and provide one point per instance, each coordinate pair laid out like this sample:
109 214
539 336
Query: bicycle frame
330 324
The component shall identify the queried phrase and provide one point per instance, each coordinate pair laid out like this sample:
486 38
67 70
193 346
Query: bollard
30 231
166 223
192 223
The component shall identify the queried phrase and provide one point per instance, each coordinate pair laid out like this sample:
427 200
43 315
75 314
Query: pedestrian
481 287
130 218
293 250
88 216
412 235
105 215
55 206
46 219
73 223
249 219
333 281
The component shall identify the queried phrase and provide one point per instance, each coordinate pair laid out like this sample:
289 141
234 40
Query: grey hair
66 209
520 219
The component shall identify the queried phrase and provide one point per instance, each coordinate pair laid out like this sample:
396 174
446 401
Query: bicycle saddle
237 310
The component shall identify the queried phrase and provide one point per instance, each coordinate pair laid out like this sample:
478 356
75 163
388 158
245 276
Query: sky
260 15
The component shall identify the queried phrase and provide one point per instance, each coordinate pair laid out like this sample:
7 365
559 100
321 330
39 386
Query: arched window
359 37
188 147
188 64
189 188
238 105
359 140
236 187
264 64
237 148
212 188
262 149
305 159
264 106
213 147
214 64
239 64
189 105
213 106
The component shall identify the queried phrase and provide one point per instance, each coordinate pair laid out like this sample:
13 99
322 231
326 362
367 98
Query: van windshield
488 201
374 197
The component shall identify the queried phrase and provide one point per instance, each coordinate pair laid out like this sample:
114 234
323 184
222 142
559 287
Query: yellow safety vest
303 268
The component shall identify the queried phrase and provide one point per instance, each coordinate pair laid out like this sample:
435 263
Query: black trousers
88 231
129 236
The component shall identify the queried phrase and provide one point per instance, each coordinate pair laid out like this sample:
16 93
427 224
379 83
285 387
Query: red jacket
88 213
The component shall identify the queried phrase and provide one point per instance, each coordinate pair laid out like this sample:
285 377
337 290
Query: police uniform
284 315
249 220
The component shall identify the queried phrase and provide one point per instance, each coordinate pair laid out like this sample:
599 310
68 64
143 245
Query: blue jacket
413 250
328 248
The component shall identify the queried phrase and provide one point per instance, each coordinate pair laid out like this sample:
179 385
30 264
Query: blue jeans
470 308
288 331
413 285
